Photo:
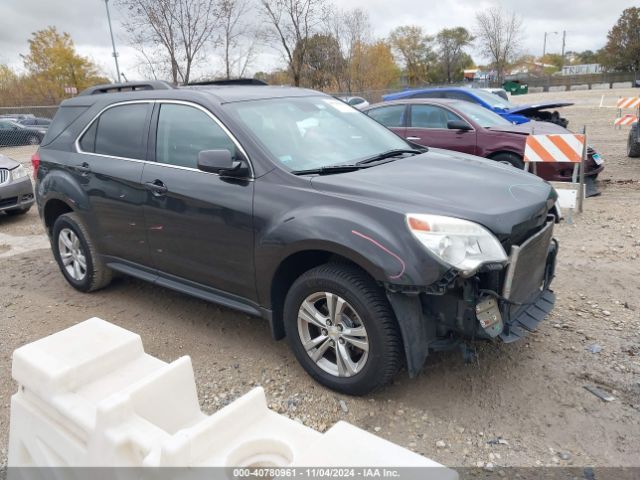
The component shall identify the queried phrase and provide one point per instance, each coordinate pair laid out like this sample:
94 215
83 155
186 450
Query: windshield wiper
329 169
388 154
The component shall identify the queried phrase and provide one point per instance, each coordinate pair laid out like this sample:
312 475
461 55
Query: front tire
77 255
633 144
342 329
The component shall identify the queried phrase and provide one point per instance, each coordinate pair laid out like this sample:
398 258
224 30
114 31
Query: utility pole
564 38
113 42
544 45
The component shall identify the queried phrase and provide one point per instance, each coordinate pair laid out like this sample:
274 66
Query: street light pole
113 42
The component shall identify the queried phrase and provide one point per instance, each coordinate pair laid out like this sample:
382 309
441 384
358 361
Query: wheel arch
303 260
52 209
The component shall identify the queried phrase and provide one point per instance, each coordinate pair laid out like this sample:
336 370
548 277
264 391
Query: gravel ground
522 404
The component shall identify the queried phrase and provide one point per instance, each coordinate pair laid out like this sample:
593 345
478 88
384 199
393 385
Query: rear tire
633 144
77 255
509 158
360 349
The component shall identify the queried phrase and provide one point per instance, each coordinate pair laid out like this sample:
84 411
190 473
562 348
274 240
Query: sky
585 21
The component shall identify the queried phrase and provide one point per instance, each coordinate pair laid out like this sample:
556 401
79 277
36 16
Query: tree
352 30
292 23
414 49
499 34
622 51
181 28
373 67
451 43
53 63
238 36
324 63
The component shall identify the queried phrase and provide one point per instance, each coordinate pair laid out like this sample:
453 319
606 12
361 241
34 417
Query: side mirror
458 125
222 163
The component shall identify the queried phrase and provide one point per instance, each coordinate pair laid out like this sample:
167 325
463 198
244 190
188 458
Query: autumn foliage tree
414 49
51 65
622 51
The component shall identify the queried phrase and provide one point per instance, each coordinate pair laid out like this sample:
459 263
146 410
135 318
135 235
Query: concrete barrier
90 396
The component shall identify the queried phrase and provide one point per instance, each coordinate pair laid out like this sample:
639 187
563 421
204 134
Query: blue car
504 108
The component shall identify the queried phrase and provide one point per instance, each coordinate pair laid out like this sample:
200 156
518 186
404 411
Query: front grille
4 175
7 202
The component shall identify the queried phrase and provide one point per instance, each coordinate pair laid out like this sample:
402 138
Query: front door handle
157 187
413 139
83 168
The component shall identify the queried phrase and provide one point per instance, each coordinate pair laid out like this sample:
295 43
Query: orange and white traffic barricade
627 103
569 148
625 120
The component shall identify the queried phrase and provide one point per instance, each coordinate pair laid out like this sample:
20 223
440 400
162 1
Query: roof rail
127 87
230 81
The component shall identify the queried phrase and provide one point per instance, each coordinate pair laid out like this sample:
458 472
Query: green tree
451 55
53 64
414 48
622 51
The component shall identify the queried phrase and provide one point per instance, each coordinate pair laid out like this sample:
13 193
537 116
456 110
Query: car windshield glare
480 115
493 100
308 133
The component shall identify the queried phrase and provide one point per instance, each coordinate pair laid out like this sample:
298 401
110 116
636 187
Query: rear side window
462 96
435 94
391 116
119 132
185 131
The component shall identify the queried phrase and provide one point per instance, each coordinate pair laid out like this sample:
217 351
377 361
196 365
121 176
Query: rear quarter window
63 118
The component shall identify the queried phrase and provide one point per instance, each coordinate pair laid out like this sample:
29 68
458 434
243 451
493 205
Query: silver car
16 191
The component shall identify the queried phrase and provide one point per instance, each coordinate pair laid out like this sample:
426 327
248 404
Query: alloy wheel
333 334
73 258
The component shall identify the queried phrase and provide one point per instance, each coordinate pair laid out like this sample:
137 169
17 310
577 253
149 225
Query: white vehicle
355 102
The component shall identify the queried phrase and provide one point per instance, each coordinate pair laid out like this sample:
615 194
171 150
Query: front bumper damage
499 303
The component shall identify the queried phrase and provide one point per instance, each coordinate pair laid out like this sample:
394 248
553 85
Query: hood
441 182
530 127
529 109
6 162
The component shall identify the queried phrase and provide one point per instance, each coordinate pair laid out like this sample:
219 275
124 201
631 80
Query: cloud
586 23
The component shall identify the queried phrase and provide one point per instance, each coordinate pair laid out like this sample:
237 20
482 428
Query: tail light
35 162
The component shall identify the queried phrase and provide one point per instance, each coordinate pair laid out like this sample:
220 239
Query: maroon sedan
468 128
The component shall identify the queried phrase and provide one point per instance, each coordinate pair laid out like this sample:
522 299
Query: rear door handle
83 168
413 139
157 187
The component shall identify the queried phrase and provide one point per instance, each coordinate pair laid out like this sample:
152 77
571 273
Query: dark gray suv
364 250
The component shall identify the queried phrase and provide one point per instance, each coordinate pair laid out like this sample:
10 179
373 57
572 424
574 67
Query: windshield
492 99
314 132
482 116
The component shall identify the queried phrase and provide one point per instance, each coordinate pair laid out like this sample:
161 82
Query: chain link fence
22 129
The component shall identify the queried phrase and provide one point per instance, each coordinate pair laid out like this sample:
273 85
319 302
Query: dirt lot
531 394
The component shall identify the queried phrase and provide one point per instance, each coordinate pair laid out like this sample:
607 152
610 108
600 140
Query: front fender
378 241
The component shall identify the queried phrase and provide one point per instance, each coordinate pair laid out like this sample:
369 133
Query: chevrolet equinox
367 252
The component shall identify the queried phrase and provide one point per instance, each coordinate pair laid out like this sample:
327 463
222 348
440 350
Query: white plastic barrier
90 396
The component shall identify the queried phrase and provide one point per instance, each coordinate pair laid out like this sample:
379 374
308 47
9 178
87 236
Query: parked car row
469 128
364 249
13 133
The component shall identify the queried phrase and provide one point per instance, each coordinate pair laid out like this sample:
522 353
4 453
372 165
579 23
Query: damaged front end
499 302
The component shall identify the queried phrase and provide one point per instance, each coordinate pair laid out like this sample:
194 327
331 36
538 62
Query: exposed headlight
19 172
462 244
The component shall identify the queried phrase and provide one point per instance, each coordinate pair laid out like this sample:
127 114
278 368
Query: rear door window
391 116
120 131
